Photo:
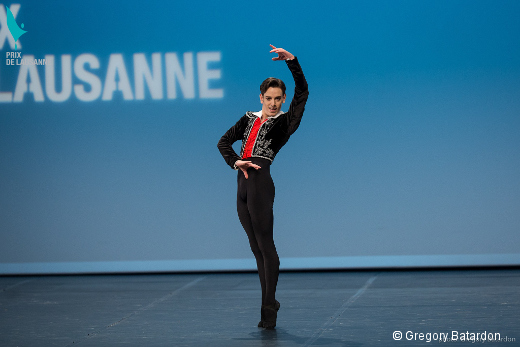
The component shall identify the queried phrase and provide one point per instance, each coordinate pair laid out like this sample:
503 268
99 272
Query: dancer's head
272 96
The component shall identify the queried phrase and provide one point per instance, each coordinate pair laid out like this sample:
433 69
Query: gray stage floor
317 309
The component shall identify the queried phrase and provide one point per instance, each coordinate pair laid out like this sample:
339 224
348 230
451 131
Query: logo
163 75
7 19
15 30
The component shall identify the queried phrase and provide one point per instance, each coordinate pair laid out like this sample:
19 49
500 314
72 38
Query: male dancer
263 134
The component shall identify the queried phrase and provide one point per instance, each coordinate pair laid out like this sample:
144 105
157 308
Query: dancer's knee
255 249
270 254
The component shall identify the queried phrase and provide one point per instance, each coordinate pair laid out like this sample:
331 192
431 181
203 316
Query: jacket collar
259 114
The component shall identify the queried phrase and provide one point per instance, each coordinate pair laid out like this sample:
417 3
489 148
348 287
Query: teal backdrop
110 112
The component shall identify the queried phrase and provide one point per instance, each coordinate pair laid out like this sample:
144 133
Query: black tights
255 198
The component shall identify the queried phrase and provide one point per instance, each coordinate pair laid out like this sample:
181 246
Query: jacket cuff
293 61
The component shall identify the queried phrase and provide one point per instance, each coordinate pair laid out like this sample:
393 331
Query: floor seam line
339 312
141 309
14 285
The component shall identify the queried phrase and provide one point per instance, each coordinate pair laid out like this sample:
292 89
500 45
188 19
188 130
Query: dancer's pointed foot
262 315
270 314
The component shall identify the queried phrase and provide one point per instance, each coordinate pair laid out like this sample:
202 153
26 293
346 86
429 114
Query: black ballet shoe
262 319
276 305
270 314
261 323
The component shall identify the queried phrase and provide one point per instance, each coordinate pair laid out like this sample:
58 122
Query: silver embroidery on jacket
252 119
261 147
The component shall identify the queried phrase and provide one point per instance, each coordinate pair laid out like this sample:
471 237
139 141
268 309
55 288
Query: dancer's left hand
282 54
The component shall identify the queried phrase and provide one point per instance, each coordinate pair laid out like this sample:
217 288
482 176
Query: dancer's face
272 101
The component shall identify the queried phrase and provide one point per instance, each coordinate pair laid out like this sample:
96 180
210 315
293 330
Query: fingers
243 163
276 50
244 169
250 164
282 53
246 165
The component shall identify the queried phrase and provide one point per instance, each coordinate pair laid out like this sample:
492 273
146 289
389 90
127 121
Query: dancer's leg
245 220
260 200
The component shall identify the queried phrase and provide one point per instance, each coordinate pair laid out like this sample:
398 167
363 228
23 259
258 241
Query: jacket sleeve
235 133
301 93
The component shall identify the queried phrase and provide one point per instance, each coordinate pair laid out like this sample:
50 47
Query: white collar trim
259 114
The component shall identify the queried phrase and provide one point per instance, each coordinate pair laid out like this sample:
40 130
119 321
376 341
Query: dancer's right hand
244 165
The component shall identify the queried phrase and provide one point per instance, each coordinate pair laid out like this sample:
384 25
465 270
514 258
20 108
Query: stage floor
317 309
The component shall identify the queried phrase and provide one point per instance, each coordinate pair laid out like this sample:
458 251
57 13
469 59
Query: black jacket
275 131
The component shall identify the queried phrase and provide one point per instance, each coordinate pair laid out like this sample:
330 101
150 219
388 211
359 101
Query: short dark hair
272 82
